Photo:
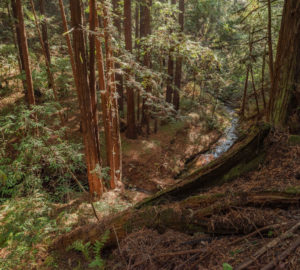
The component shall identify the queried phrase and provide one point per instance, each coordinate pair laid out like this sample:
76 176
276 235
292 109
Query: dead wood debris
265 235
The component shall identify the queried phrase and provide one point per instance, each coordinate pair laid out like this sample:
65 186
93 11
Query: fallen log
188 216
244 156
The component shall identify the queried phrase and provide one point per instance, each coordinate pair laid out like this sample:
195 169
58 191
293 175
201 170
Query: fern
79 246
98 246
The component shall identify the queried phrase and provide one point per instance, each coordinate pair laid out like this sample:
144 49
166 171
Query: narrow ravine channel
220 147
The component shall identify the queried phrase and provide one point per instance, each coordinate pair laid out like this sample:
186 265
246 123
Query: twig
265 248
257 231
170 254
94 210
283 255
117 240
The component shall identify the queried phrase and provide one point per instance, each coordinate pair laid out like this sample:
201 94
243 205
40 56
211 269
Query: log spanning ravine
181 207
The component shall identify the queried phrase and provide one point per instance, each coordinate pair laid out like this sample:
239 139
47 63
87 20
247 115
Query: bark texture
285 94
131 128
23 45
85 103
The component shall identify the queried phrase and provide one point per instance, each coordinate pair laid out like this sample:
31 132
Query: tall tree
92 152
137 47
131 128
169 91
47 61
145 30
285 94
170 81
93 18
44 29
18 42
17 4
178 67
112 103
119 78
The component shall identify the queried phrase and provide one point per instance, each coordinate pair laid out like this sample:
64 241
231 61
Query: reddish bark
131 128
85 103
115 146
44 29
145 30
119 78
92 74
25 55
18 42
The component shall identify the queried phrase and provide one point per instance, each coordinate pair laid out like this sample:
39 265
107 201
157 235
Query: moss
294 140
293 190
243 168
204 197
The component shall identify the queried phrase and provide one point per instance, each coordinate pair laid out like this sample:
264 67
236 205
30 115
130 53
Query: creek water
225 142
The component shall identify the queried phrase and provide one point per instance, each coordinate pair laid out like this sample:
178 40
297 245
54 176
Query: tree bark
285 94
84 97
25 54
131 128
106 115
116 160
119 78
137 48
45 30
18 41
145 30
244 156
169 92
245 93
254 90
92 75
46 54
188 216
263 79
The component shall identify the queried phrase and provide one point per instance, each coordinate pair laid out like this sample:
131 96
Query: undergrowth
25 231
29 163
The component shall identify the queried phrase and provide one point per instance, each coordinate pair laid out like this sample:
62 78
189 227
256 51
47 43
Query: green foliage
85 249
25 225
227 266
29 162
98 246
78 245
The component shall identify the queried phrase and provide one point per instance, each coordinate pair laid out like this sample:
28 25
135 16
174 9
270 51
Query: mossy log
243 157
189 216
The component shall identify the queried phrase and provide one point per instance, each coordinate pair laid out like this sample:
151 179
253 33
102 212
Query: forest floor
150 164
239 233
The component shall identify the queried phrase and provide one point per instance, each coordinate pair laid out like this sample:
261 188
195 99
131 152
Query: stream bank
153 164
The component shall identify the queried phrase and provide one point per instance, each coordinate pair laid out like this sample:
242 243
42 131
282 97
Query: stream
224 143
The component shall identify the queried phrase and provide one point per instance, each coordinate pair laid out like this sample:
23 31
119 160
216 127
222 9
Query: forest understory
149 134
249 223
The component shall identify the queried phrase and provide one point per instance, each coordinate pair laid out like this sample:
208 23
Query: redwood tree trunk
24 50
92 75
115 146
44 30
285 94
145 30
245 94
119 78
131 128
169 92
84 97
137 47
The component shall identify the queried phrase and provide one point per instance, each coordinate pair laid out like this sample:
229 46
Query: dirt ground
247 230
